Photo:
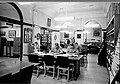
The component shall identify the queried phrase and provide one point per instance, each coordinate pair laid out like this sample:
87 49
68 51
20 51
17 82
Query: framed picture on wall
48 22
12 33
27 35
78 36
66 35
2 33
97 32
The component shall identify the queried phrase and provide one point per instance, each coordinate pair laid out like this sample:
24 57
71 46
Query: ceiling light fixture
24 3
64 18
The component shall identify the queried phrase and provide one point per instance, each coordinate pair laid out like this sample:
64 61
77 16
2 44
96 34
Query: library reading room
59 42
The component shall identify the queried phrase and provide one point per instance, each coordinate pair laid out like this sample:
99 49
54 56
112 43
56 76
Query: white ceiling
77 9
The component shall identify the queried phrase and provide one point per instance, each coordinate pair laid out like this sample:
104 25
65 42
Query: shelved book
116 59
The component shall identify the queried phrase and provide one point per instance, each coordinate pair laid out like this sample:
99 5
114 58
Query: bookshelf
113 42
45 40
113 46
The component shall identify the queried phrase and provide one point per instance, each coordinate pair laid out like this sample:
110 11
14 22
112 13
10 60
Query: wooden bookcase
112 37
45 40
112 32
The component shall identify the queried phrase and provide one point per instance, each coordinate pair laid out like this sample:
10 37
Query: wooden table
75 59
14 66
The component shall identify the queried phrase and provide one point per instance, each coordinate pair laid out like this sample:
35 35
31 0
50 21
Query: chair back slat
49 60
33 58
62 61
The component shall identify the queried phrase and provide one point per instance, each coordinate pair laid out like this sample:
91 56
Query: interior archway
92 31
8 10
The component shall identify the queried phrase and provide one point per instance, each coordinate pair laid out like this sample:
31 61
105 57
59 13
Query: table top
12 66
70 56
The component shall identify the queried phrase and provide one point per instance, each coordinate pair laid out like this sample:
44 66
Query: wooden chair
85 53
63 64
35 60
49 63
85 56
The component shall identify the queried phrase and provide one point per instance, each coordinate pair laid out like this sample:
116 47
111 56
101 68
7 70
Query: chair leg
58 73
73 71
68 74
37 71
53 71
86 61
44 70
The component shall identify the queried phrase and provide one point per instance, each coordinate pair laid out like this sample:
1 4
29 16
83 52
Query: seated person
71 49
78 48
56 49
36 47
63 49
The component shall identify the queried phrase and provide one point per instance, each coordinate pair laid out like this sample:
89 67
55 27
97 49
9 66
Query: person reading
56 49
78 48
70 49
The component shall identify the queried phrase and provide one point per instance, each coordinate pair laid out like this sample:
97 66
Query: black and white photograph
12 33
60 42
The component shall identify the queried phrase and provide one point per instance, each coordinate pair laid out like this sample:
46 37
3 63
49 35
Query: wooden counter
13 67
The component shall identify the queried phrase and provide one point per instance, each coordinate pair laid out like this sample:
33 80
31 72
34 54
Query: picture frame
2 33
97 32
78 36
12 33
28 35
66 35
49 22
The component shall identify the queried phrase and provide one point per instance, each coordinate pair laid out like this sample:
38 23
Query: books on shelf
115 66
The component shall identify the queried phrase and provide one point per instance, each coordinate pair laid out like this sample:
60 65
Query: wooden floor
91 73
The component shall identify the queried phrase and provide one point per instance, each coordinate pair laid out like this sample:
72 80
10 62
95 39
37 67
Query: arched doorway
6 16
92 31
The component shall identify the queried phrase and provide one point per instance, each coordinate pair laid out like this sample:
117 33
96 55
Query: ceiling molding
65 0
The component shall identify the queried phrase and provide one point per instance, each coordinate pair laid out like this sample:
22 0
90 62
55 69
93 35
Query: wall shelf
112 30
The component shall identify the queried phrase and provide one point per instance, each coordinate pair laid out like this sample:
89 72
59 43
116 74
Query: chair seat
70 67
50 66
36 64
